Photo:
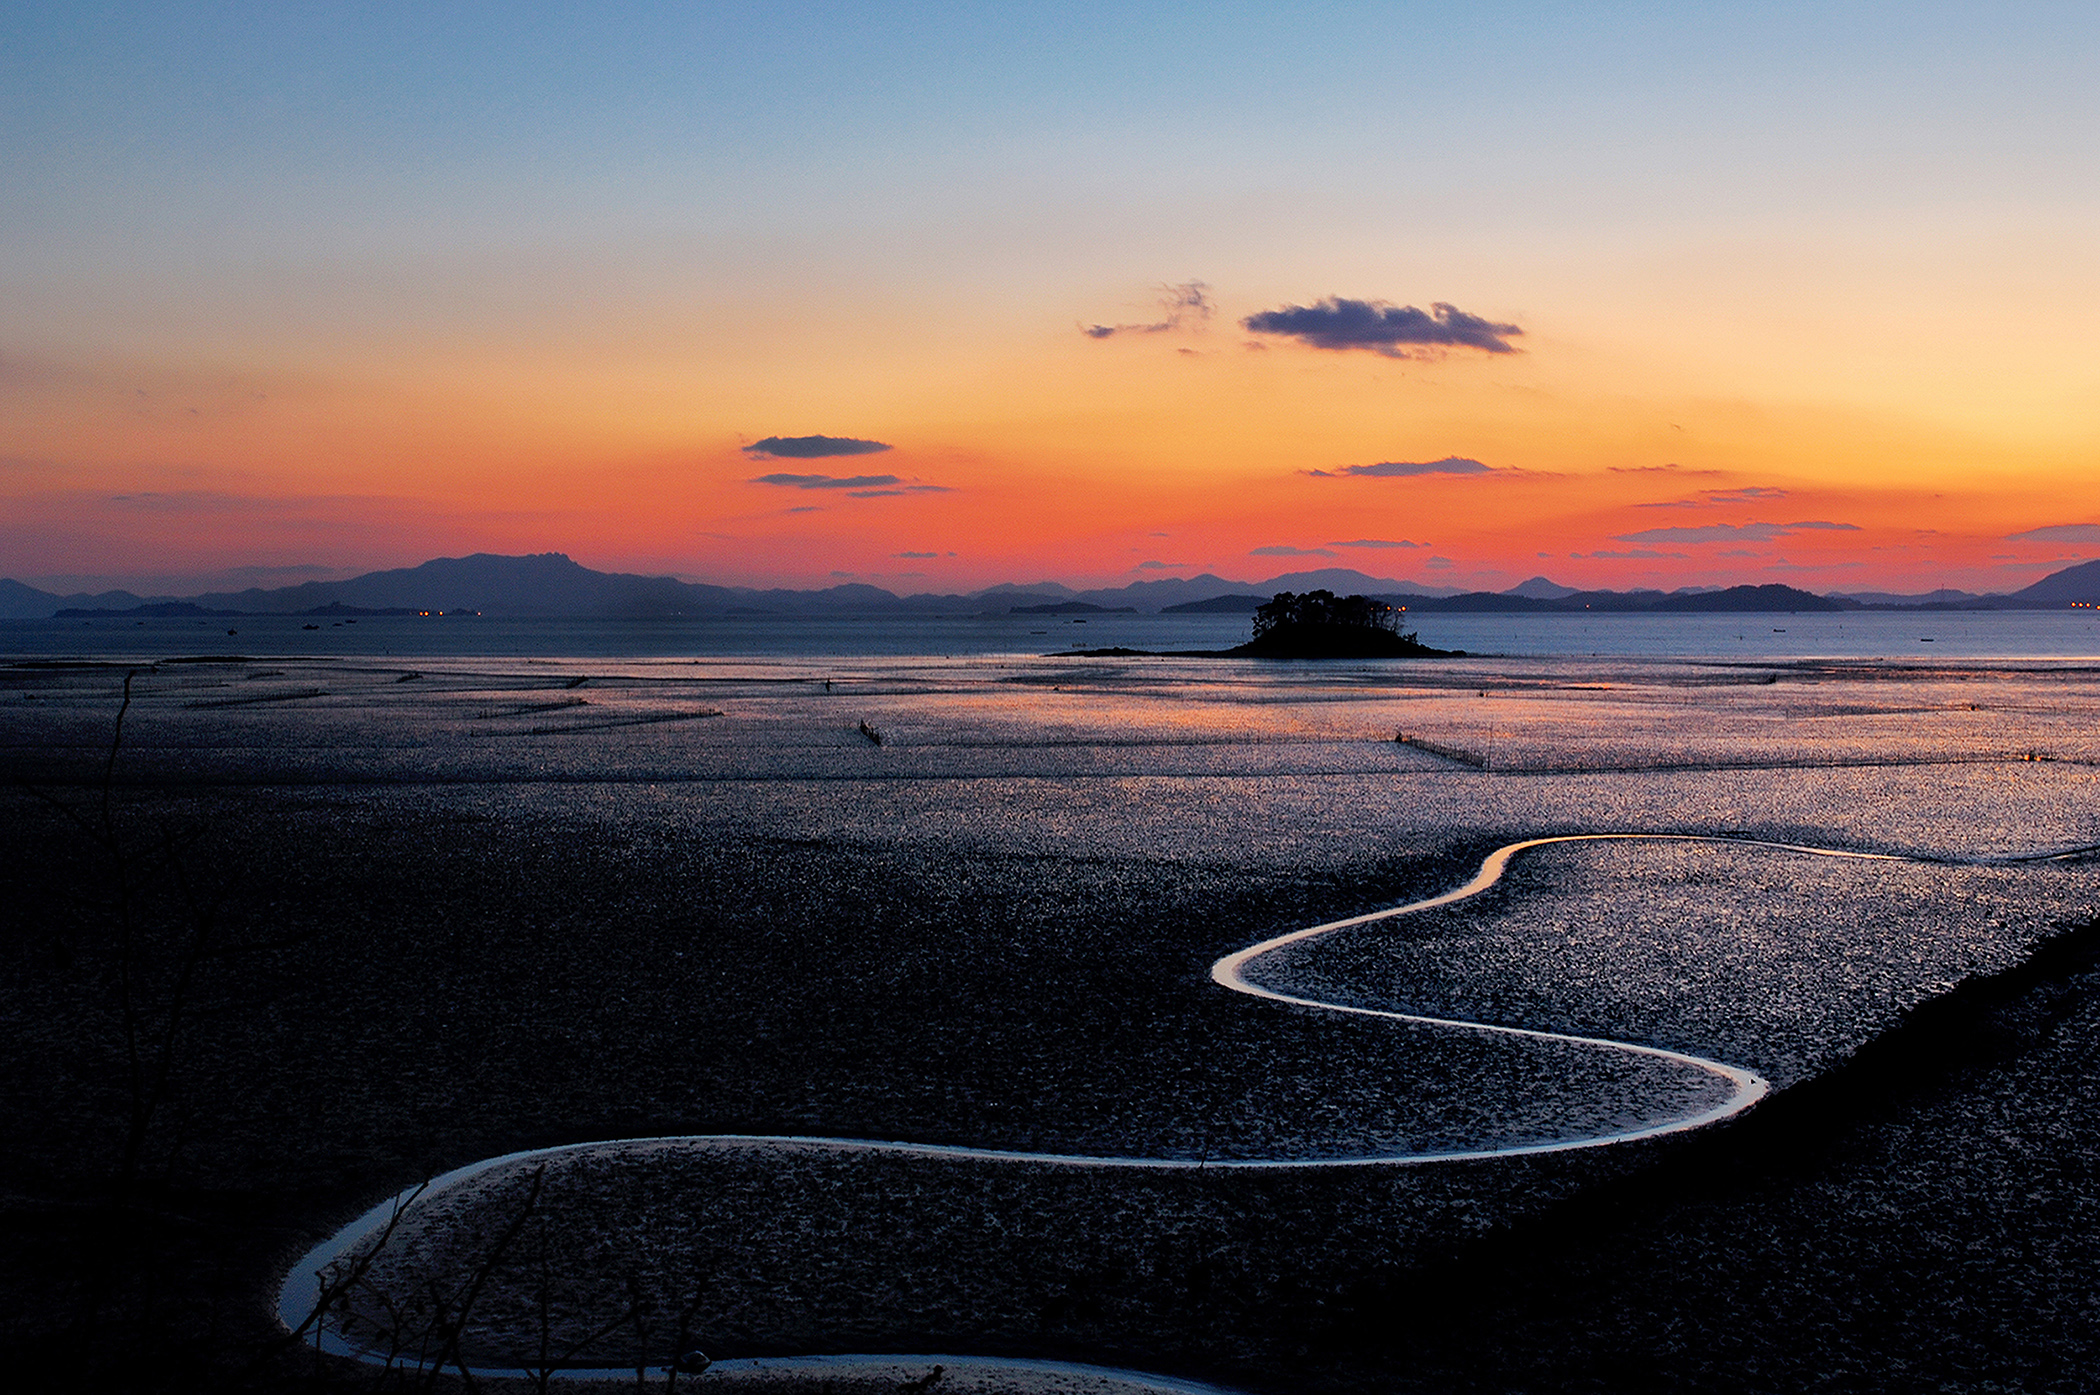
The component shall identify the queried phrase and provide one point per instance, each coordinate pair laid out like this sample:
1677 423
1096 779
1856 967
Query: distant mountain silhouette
1746 598
1070 608
19 602
547 585
1945 597
550 585
1231 603
2079 583
1733 598
1538 588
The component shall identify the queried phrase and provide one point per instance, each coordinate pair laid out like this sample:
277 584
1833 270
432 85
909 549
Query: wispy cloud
1708 498
1286 550
915 554
829 481
1160 567
1380 542
1634 552
1731 532
1186 304
855 486
2059 533
1402 469
1382 327
811 447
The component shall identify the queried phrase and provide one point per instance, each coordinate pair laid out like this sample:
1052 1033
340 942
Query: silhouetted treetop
1320 624
1319 608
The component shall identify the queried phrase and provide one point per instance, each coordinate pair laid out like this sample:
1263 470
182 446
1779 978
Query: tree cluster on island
1322 625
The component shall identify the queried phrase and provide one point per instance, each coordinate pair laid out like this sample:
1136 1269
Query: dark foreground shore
406 973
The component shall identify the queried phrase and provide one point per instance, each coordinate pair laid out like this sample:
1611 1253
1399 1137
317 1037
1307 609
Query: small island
1321 625
1316 625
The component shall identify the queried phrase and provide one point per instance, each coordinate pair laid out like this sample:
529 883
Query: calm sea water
2011 634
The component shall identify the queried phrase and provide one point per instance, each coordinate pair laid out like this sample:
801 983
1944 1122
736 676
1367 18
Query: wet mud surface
490 907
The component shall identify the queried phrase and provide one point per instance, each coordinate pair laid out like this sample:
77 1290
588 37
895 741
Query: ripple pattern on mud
1732 1089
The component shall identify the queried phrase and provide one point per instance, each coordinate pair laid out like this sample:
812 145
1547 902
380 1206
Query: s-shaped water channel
302 1290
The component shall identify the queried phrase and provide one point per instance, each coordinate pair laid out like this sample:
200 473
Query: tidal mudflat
475 906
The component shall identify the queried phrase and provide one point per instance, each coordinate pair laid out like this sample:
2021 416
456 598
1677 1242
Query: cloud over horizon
1382 327
1286 550
1731 532
1707 498
811 447
1403 469
1377 542
856 486
2059 533
1180 305
828 481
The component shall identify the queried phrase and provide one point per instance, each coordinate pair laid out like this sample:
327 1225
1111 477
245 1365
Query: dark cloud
1340 323
915 554
1825 527
1160 567
1382 542
1180 306
1395 469
2059 533
829 481
811 447
1285 550
1632 553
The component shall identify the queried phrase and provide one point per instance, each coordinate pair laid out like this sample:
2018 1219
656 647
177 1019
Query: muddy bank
517 939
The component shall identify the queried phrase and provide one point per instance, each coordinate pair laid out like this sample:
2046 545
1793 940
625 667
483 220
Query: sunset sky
939 296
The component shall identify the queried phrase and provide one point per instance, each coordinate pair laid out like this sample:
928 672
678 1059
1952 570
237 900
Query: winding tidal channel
301 1295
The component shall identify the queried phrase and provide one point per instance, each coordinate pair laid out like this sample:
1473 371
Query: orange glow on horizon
1092 463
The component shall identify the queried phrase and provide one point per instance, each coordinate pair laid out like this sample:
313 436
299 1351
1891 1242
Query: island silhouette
1321 625
1312 625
